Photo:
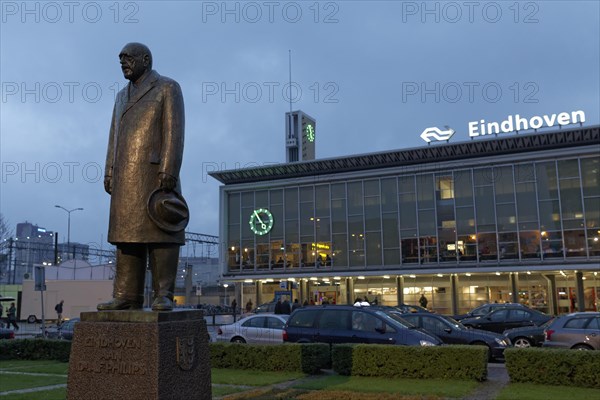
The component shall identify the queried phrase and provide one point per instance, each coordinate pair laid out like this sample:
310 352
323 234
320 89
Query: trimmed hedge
35 349
443 362
562 367
307 358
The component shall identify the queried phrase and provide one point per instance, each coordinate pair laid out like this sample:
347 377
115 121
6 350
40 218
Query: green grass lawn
12 375
435 387
320 387
528 391
251 378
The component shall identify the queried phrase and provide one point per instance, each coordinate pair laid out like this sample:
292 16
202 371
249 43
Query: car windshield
455 323
397 317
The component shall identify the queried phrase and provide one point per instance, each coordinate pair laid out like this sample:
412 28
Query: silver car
259 328
579 331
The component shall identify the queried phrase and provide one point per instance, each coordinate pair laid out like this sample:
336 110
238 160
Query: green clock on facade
261 221
310 132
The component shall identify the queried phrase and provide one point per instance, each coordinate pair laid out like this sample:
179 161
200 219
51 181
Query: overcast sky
374 74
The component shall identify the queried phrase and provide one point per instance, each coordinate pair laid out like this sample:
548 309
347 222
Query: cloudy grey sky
374 74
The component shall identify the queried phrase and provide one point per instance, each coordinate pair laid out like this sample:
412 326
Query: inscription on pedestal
141 360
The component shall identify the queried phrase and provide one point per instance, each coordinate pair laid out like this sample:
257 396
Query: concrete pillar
514 287
454 293
259 299
552 295
349 290
400 289
579 291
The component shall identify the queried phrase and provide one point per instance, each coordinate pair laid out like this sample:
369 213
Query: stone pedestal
142 355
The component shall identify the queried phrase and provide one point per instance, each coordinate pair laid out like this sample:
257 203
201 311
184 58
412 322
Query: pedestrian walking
59 311
12 316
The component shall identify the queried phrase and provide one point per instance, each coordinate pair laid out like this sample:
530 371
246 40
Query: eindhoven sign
510 124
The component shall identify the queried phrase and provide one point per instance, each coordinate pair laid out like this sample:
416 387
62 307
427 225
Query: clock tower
300 135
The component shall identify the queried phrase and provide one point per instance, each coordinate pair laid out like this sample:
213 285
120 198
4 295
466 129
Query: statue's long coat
146 138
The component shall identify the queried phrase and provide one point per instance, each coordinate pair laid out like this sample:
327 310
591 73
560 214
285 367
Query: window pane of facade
484 207
575 245
530 244
549 215
524 173
389 195
503 182
391 238
463 188
568 169
322 201
338 216
339 251
427 223
465 220
373 249
355 198
406 184
425 195
233 208
261 199
372 214
408 211
592 212
307 220
338 191
371 187
526 204
488 250
590 176
291 203
276 196
546 181
306 194
570 199
277 212
356 240
507 220
410 247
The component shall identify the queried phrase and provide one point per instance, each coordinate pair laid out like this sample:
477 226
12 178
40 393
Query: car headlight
426 343
501 342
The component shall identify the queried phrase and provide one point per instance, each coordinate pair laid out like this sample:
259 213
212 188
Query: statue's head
135 59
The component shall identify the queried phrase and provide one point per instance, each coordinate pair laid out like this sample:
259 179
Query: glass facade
525 213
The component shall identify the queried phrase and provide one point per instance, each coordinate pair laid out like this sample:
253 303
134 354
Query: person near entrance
423 300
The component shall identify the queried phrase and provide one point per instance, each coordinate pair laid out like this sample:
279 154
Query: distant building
32 245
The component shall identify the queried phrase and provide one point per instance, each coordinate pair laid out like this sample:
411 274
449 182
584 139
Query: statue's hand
167 182
108 184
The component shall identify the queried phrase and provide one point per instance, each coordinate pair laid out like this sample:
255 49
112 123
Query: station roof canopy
514 144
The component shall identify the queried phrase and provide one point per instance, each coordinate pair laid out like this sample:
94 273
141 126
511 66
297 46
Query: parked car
350 324
259 328
265 308
411 308
484 309
527 336
505 318
579 331
62 331
453 332
7 333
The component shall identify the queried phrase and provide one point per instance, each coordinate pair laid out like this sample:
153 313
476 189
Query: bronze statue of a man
147 212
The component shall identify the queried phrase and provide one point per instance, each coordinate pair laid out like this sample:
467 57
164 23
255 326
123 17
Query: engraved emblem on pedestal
186 352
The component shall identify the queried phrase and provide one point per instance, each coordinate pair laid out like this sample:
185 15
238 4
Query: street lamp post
69 224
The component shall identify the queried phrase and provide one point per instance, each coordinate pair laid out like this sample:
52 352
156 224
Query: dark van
350 324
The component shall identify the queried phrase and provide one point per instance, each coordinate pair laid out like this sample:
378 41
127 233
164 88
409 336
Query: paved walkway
496 380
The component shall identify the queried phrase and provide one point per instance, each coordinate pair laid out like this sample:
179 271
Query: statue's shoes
119 304
162 303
